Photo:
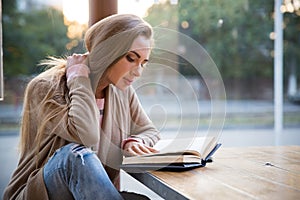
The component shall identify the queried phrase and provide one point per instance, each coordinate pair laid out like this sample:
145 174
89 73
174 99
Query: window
1 63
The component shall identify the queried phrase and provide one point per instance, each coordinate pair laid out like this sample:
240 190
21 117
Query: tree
228 30
292 53
236 34
29 37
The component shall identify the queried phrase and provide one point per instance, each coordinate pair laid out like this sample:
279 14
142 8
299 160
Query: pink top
100 105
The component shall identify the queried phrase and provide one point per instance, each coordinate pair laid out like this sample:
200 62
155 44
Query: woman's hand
134 148
75 59
76 67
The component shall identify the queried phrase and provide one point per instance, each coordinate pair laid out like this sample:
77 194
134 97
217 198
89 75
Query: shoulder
50 75
38 84
43 83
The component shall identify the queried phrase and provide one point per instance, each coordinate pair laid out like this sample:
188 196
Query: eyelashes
129 59
132 60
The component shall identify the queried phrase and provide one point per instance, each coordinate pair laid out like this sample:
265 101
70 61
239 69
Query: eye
129 58
144 64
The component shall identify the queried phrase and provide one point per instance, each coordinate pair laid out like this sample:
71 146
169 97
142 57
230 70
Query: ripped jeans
75 172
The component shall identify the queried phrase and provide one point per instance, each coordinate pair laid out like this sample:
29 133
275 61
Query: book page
180 145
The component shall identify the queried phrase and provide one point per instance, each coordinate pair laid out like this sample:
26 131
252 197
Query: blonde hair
111 38
106 41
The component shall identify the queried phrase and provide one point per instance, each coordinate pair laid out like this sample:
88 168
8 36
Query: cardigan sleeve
83 115
141 126
76 121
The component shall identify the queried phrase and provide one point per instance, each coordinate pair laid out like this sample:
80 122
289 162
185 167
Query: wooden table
236 173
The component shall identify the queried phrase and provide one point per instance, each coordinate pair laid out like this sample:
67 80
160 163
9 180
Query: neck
100 91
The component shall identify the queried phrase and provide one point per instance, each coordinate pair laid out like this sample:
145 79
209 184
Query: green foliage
9 5
292 43
235 33
29 37
165 15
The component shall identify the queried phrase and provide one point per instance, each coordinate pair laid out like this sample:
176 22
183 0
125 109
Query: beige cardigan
123 117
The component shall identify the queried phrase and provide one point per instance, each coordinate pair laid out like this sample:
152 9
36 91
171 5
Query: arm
143 132
83 116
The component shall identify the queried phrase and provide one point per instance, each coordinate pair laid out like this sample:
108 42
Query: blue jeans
75 172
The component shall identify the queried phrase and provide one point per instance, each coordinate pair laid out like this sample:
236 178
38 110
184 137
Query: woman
82 115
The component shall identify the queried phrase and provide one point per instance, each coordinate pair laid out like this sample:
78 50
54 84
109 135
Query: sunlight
137 7
76 15
76 10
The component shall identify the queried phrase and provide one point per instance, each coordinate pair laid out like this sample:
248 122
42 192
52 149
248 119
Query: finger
142 149
145 150
153 150
130 152
138 150
75 59
148 149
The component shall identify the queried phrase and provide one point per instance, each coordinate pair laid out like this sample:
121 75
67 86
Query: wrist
76 71
124 142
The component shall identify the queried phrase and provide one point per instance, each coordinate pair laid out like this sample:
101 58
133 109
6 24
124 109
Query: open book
176 154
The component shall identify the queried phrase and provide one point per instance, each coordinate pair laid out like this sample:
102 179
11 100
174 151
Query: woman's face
124 72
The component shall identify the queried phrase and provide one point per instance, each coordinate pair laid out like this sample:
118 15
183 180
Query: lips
128 81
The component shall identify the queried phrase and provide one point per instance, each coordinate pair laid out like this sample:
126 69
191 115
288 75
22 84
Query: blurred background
237 35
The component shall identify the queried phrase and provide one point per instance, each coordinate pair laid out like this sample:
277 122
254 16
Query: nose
137 71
